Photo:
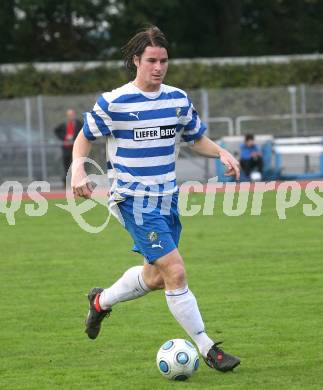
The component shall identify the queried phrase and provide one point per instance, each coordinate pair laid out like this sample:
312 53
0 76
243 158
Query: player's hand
84 191
81 184
232 165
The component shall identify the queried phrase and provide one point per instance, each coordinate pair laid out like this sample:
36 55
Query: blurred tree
203 28
282 26
47 30
66 30
7 21
211 28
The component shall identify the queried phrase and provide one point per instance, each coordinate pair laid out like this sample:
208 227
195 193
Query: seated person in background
250 156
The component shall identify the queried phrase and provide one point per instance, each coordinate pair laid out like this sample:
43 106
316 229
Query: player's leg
134 283
181 301
152 277
130 285
183 305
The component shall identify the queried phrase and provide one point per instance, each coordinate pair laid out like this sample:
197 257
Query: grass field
258 281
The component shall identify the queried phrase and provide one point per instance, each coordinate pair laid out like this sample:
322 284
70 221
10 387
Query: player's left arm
206 147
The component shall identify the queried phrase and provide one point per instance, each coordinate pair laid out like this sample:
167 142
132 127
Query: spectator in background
67 132
250 156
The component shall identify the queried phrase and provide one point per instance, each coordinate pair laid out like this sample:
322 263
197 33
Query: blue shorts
153 224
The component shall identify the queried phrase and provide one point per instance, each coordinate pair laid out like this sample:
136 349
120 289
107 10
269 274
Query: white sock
183 305
130 286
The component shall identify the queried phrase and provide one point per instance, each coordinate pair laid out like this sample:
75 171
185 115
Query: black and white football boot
95 315
219 360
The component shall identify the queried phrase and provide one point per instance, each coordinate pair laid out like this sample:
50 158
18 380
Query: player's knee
154 282
158 283
179 274
171 268
176 276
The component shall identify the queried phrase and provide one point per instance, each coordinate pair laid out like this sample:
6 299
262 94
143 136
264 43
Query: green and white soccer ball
177 359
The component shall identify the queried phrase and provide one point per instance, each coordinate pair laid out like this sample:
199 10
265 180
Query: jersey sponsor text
149 133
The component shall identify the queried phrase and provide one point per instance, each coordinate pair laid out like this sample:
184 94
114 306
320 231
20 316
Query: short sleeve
97 122
193 126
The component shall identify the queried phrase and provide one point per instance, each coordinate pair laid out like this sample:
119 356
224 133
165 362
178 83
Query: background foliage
84 30
30 82
46 30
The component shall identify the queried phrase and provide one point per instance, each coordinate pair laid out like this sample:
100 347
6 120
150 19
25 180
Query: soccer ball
177 359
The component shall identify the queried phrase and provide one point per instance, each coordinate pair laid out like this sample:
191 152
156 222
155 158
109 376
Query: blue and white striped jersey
143 131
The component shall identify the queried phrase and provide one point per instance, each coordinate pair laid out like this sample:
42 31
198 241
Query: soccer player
143 122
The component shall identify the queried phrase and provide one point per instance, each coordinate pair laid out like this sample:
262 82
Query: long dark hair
150 36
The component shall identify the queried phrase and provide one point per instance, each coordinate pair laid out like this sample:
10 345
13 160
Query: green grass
258 281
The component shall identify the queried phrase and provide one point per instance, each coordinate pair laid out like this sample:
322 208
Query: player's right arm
80 182
96 124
